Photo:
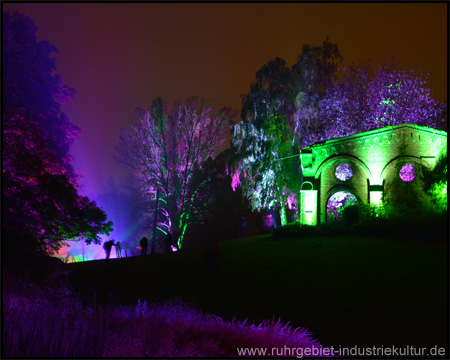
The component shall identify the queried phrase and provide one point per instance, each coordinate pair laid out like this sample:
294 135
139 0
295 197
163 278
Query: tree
221 213
435 183
367 98
315 71
165 148
280 115
41 205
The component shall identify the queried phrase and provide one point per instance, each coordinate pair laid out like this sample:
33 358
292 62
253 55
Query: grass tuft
40 323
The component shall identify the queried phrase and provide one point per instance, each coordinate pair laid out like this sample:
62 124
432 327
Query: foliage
221 209
41 205
164 148
435 183
43 323
368 97
392 220
430 226
294 231
279 116
403 199
338 203
266 178
350 215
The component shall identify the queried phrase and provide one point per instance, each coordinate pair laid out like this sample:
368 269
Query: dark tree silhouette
41 205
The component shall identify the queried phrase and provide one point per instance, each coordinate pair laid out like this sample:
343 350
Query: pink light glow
407 172
235 181
77 251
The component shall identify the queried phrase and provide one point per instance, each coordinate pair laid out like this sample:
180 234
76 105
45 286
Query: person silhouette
118 249
144 245
107 246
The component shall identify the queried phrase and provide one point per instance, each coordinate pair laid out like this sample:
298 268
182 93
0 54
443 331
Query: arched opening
338 202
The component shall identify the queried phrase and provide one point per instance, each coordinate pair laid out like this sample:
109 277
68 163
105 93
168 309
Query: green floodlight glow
440 189
438 193
308 208
374 158
376 197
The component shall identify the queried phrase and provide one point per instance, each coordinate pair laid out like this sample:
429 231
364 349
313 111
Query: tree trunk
283 214
152 248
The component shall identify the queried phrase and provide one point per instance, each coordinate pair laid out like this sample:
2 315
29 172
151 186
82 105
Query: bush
392 219
351 215
294 231
332 227
396 220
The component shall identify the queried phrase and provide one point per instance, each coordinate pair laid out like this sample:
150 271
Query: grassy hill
347 290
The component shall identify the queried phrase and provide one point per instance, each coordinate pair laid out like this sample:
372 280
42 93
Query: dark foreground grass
58 324
347 290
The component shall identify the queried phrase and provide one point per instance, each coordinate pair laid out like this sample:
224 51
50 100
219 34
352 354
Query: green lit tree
280 115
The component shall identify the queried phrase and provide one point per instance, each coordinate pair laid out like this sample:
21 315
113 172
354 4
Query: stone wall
375 157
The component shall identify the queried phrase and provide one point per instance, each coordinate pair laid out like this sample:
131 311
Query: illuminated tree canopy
41 205
165 148
280 115
367 98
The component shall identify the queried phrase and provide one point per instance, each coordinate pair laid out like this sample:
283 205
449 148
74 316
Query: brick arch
343 187
348 157
336 189
398 159
309 184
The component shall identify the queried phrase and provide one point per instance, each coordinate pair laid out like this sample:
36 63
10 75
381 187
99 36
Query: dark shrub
351 215
332 227
293 231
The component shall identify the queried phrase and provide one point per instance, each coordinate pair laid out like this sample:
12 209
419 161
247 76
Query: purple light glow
338 201
79 251
407 172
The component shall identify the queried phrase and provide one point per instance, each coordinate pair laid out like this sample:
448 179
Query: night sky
121 56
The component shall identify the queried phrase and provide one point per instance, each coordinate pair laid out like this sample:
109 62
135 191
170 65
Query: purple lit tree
165 147
41 205
367 98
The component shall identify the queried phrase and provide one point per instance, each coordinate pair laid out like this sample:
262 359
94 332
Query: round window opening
343 172
408 172
338 202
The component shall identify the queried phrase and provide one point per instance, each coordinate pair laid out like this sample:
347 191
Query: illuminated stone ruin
355 169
